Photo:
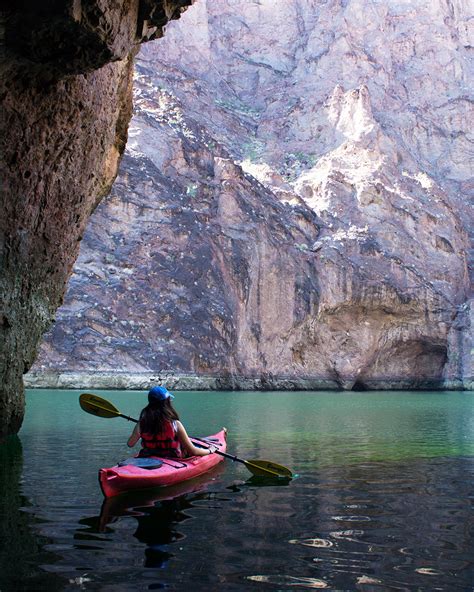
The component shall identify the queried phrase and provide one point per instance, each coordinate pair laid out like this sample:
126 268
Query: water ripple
351 518
314 542
283 580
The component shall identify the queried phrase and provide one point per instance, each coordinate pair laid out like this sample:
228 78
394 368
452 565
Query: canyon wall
66 82
293 204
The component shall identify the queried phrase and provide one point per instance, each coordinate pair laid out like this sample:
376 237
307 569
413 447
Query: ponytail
154 416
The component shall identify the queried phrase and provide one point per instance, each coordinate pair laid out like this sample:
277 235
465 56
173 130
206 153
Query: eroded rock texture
293 202
66 79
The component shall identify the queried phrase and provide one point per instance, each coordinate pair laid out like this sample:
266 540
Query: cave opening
358 386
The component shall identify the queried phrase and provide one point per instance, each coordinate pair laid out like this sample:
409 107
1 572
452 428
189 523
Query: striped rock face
292 204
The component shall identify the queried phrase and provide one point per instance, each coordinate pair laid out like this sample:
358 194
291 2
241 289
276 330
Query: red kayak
161 472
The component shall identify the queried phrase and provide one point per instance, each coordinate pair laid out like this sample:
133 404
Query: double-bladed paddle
100 407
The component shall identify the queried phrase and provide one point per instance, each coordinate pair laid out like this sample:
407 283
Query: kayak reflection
21 547
158 512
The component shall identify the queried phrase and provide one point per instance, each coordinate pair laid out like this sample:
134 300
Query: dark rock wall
61 157
66 80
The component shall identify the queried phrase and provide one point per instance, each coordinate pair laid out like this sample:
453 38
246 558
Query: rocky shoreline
187 382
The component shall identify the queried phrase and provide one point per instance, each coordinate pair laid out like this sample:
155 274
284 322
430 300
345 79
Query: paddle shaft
231 456
127 417
194 440
234 458
118 414
247 463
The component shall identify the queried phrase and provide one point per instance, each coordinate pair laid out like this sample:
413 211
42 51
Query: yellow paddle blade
266 468
97 406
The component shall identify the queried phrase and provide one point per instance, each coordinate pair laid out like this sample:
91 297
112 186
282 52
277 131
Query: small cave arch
359 386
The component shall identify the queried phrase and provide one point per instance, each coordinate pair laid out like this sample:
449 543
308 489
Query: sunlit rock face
293 202
166 275
66 83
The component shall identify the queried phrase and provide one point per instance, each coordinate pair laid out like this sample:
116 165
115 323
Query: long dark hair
155 414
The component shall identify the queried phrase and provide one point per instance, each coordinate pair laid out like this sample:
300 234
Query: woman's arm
134 436
187 446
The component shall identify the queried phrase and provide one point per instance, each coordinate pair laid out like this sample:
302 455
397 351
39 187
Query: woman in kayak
160 430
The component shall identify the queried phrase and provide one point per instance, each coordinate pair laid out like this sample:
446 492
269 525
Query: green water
383 498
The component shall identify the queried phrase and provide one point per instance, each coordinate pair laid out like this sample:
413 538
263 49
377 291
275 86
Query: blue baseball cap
159 393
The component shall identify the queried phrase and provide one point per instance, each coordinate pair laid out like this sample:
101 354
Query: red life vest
166 443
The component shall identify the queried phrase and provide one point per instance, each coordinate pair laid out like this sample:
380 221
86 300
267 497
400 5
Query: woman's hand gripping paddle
100 407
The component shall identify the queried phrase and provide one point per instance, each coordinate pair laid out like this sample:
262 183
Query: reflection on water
383 500
21 545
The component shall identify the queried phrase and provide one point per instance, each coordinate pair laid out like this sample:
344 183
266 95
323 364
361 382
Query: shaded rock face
292 203
66 72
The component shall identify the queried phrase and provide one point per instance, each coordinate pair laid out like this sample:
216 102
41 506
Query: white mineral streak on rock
325 153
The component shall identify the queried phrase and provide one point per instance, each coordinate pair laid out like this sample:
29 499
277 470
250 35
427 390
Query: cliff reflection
22 550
